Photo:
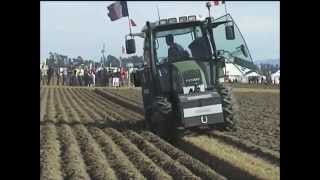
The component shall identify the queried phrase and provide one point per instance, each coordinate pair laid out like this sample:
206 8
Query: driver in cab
175 50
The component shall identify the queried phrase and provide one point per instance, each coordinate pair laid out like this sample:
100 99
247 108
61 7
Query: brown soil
259 118
86 136
259 113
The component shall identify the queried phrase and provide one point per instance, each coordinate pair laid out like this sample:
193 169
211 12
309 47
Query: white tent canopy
276 77
253 74
276 74
232 70
239 73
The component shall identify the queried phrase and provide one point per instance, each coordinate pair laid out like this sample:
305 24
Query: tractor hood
187 75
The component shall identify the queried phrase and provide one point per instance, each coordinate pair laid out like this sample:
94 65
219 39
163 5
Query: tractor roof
169 23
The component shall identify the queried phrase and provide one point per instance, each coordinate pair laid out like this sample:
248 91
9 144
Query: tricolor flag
118 10
132 23
216 3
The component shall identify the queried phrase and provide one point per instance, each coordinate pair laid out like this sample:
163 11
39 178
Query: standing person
98 77
81 74
50 73
113 79
65 76
44 74
40 76
58 75
61 73
93 78
74 76
118 75
69 76
77 78
86 77
122 76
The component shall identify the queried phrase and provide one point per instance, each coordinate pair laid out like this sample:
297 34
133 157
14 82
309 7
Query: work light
183 19
191 18
172 20
163 21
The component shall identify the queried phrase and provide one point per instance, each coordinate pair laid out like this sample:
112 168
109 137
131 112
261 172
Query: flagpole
129 25
129 21
158 13
225 6
208 4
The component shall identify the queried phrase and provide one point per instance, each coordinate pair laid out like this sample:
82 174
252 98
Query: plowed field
86 136
259 114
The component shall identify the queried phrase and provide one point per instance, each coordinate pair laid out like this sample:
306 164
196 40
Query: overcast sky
80 28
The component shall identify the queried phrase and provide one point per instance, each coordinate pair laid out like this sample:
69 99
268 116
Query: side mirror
243 50
130 46
230 32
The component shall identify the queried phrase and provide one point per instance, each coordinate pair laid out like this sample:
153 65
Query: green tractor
183 73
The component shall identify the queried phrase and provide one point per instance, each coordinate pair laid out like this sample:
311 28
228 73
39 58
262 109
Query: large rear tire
162 118
229 107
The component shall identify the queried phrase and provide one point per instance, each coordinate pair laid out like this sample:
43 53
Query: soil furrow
73 163
96 162
145 165
50 154
128 94
61 114
117 159
174 168
43 104
87 106
105 115
50 110
79 107
198 168
41 92
76 111
247 146
72 114
129 105
115 109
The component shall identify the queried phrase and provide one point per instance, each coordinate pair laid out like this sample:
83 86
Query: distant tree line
137 61
266 69
59 60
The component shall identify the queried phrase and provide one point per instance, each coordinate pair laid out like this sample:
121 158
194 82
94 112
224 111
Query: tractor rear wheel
161 118
229 108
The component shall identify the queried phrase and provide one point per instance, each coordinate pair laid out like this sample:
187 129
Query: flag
216 3
132 23
118 10
123 50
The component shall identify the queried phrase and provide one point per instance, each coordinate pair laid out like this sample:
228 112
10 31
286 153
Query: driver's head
169 39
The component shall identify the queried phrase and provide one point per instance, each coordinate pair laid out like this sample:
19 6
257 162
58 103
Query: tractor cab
183 67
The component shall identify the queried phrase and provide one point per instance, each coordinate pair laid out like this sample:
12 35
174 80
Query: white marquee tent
239 73
233 72
276 77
